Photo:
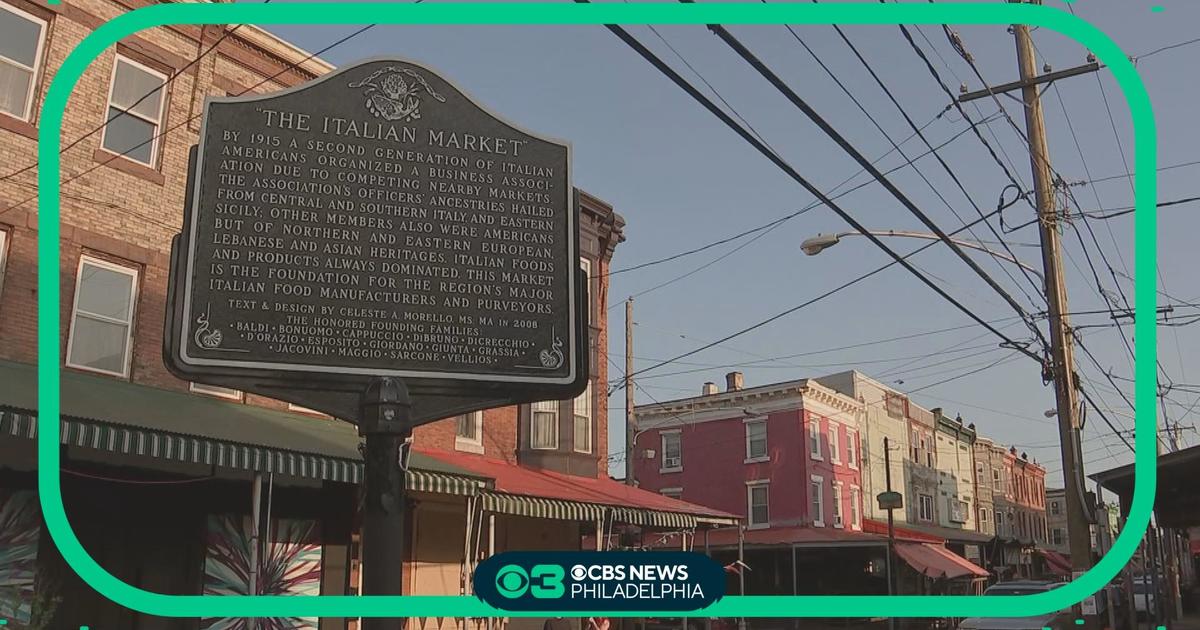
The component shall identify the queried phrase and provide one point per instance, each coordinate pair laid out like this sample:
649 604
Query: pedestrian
597 623
557 623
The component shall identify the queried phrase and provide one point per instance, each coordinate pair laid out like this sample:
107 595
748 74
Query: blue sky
681 179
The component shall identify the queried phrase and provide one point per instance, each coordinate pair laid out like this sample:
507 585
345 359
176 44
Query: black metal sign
378 222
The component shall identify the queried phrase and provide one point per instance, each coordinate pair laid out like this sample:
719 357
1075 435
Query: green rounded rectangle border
49 298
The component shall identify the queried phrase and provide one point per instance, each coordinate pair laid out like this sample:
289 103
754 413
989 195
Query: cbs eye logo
543 581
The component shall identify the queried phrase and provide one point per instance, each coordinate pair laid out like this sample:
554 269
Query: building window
1056 536
101 336
756 504
1054 510
852 449
928 452
756 441
672 452
3 255
814 438
996 481
925 507
837 505
916 441
855 507
674 493
835 443
468 432
983 515
816 500
21 39
543 425
219 392
583 421
134 133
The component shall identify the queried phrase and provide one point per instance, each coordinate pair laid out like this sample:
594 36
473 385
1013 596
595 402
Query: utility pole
630 435
891 551
1061 350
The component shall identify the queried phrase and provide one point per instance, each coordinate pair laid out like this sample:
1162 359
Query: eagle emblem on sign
394 93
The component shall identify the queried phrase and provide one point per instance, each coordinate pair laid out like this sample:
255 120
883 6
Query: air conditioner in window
671 462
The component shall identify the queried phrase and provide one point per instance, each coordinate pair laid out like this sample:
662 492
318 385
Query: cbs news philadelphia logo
611 580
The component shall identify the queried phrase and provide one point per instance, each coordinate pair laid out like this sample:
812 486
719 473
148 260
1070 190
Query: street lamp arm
822 242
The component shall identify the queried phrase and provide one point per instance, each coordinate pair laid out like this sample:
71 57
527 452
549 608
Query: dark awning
1177 498
146 422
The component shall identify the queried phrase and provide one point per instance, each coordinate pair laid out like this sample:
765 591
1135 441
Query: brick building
161 475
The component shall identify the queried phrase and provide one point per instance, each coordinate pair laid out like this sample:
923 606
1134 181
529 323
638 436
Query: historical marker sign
377 221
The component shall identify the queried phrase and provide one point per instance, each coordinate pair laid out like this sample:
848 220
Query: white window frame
584 399
158 124
924 500
983 515
35 71
814 439
467 444
674 493
835 443
838 519
819 518
228 393
663 467
766 454
533 416
852 450
133 273
4 242
751 486
997 479
856 507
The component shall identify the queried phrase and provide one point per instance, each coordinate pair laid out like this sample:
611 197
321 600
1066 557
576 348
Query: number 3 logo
546 581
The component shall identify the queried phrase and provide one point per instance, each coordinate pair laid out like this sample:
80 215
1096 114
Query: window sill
835 462
670 470
16 125
128 166
92 370
818 523
757 460
816 458
467 446
838 526
759 526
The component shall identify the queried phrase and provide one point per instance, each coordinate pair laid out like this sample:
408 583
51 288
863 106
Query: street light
822 242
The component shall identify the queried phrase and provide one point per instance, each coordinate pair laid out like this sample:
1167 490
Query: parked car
1060 620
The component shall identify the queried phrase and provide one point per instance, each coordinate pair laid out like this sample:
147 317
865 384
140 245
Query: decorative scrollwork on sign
206 338
391 97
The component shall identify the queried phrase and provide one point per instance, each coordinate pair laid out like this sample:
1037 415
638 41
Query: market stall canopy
539 493
1056 562
1177 500
937 562
140 422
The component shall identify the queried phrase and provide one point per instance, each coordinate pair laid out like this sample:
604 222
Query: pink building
782 455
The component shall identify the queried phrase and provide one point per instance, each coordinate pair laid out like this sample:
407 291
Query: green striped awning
537 507
136 441
654 518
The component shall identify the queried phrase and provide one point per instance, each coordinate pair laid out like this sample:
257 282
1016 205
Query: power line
188 120
946 167
1166 48
716 111
846 146
125 112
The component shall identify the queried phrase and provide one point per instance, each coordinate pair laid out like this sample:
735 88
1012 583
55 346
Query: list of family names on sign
379 221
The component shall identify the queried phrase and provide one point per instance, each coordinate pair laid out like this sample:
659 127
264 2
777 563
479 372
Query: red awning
798 535
512 479
1056 562
872 526
936 561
